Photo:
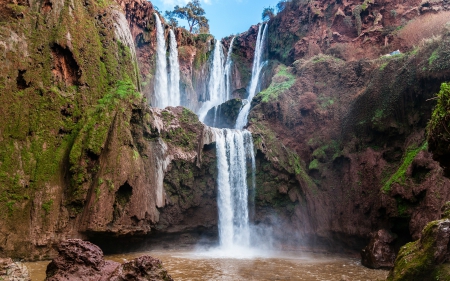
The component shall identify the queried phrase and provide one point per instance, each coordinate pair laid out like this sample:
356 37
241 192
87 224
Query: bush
421 28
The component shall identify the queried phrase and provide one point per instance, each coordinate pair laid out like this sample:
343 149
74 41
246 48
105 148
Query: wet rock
427 258
142 268
224 115
380 252
79 260
10 271
82 260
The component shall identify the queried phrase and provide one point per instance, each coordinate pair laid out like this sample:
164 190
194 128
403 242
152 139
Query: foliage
194 14
282 81
400 175
438 126
171 19
281 5
268 13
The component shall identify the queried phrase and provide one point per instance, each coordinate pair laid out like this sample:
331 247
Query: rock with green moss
439 128
426 259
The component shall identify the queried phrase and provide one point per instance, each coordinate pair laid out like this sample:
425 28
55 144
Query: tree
268 13
170 19
194 14
281 5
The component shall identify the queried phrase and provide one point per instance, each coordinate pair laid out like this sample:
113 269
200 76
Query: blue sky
226 17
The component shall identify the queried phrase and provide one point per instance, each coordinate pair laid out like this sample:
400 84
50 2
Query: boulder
426 259
224 115
10 271
82 260
142 268
380 252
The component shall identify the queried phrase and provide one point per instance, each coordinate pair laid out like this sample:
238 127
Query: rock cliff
340 137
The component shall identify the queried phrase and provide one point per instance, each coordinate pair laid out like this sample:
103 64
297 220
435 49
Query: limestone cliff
81 153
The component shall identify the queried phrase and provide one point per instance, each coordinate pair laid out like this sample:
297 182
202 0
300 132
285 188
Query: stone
82 260
380 252
427 258
142 268
13 271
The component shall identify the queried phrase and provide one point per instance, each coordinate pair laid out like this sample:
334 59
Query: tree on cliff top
193 13
268 13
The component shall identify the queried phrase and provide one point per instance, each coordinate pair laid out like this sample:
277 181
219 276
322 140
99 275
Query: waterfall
234 148
228 70
216 86
161 91
174 75
258 65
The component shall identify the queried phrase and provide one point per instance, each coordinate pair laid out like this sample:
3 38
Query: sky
226 17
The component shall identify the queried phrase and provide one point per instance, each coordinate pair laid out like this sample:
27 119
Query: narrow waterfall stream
258 65
174 72
228 70
161 91
167 77
216 87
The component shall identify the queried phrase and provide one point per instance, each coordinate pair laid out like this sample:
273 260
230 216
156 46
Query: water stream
216 87
234 149
174 72
258 65
161 91
228 70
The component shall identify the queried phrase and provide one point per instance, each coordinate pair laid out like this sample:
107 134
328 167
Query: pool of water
195 265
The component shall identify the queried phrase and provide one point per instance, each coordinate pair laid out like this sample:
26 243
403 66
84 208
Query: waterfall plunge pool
184 265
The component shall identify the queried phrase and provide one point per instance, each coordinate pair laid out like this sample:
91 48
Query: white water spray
161 91
216 86
228 70
258 65
234 148
174 75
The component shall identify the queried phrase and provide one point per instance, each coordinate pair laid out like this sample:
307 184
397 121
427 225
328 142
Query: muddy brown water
184 266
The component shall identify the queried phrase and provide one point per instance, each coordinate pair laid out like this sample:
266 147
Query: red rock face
380 252
81 260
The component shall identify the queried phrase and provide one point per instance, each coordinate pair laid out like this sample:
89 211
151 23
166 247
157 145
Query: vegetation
400 175
193 13
281 82
268 13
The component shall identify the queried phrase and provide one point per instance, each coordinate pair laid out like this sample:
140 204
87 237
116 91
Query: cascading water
258 65
174 75
234 148
228 70
216 86
161 91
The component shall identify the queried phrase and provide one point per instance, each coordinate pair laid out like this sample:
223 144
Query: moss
416 260
282 81
47 206
434 56
400 175
314 165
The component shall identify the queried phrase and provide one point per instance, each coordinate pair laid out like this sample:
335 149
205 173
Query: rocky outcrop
224 115
81 260
13 271
350 30
86 157
380 252
438 130
426 259
355 145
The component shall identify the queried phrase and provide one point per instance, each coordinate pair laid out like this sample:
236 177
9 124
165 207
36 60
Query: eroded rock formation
81 260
